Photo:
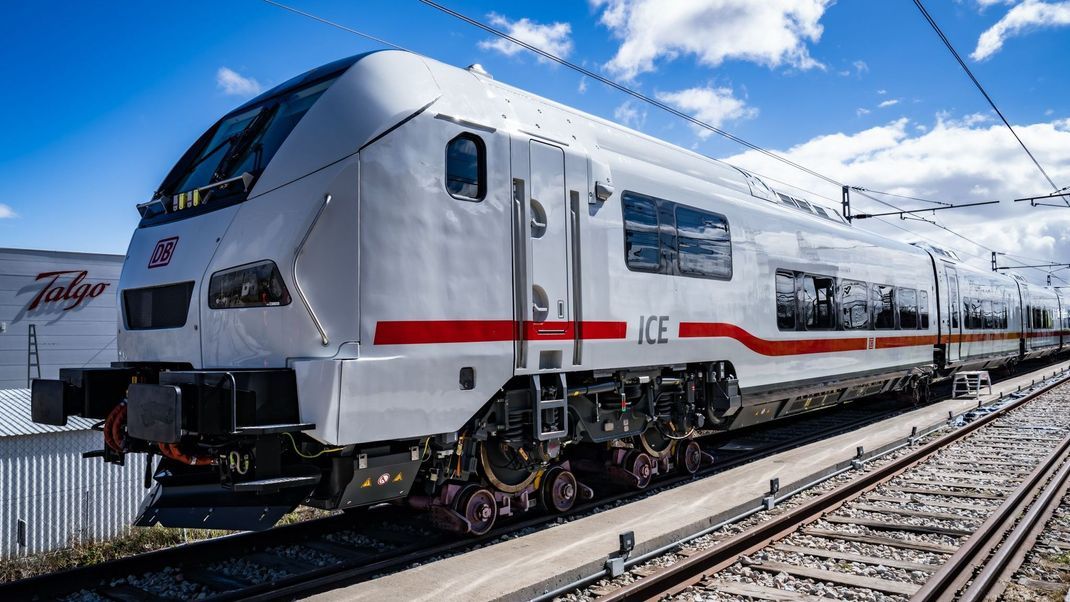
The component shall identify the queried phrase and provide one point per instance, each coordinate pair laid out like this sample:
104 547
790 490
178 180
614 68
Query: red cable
113 425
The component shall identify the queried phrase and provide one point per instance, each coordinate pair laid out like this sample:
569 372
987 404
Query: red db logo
163 252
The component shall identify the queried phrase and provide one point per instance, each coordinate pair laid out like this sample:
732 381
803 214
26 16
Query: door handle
536 307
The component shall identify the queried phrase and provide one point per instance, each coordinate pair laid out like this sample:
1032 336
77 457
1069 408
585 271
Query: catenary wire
366 36
633 93
962 63
644 98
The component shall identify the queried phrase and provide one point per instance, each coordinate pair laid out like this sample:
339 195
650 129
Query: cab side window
466 167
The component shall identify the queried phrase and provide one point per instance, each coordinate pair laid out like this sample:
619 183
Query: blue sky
101 98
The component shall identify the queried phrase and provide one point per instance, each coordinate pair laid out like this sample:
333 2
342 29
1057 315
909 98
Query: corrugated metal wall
62 497
81 336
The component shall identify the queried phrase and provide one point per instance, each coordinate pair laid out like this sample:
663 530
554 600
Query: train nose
161 284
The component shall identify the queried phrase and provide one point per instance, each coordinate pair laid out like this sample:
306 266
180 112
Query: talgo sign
66 287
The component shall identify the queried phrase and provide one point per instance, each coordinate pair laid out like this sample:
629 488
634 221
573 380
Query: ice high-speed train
393 279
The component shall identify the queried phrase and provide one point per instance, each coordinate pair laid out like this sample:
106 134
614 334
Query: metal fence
50 497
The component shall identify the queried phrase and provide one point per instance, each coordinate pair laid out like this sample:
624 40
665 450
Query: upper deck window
854 307
785 300
818 302
703 243
642 244
466 167
907 300
882 299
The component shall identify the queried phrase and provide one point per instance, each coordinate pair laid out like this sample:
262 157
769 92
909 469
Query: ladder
33 359
968 384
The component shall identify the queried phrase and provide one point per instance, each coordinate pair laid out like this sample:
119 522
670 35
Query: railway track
950 519
320 554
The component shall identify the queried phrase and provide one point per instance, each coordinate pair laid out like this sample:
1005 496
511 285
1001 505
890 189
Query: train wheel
641 466
558 490
477 505
655 443
689 457
504 468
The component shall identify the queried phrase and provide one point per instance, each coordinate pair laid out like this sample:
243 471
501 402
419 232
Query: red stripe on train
487 331
768 347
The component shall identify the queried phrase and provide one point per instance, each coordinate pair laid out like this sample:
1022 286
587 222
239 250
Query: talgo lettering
652 329
75 292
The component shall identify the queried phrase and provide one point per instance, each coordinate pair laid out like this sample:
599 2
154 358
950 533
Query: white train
391 278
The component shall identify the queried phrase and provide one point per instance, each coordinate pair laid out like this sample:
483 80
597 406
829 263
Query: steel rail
1006 531
693 569
972 555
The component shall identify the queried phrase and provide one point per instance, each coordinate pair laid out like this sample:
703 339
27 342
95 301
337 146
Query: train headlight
252 285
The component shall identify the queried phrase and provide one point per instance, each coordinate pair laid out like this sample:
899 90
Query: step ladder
968 384
33 359
551 407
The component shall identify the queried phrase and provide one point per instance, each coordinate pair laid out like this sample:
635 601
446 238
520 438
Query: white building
69 299
49 495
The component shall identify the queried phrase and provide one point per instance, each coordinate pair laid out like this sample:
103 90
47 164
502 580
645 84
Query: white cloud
956 160
860 67
715 106
888 103
771 32
975 119
1049 112
983 4
582 88
882 92
860 111
6 211
1025 17
629 115
233 83
554 38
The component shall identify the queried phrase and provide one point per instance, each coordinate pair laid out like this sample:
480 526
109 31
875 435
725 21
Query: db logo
163 252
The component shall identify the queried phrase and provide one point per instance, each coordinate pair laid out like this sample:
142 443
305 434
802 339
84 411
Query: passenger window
817 302
785 300
642 245
988 315
882 299
466 168
704 245
973 311
923 310
907 299
854 308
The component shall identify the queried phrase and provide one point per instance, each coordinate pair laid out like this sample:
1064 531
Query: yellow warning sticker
397 477
367 483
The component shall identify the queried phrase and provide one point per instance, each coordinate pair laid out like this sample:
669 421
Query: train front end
244 261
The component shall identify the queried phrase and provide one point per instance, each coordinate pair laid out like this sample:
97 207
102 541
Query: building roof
15 417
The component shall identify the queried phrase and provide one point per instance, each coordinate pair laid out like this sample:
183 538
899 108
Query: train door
954 315
543 248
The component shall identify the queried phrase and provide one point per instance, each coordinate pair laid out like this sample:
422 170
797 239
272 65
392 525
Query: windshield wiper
241 145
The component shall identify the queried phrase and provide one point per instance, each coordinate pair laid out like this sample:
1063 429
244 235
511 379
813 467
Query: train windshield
241 144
